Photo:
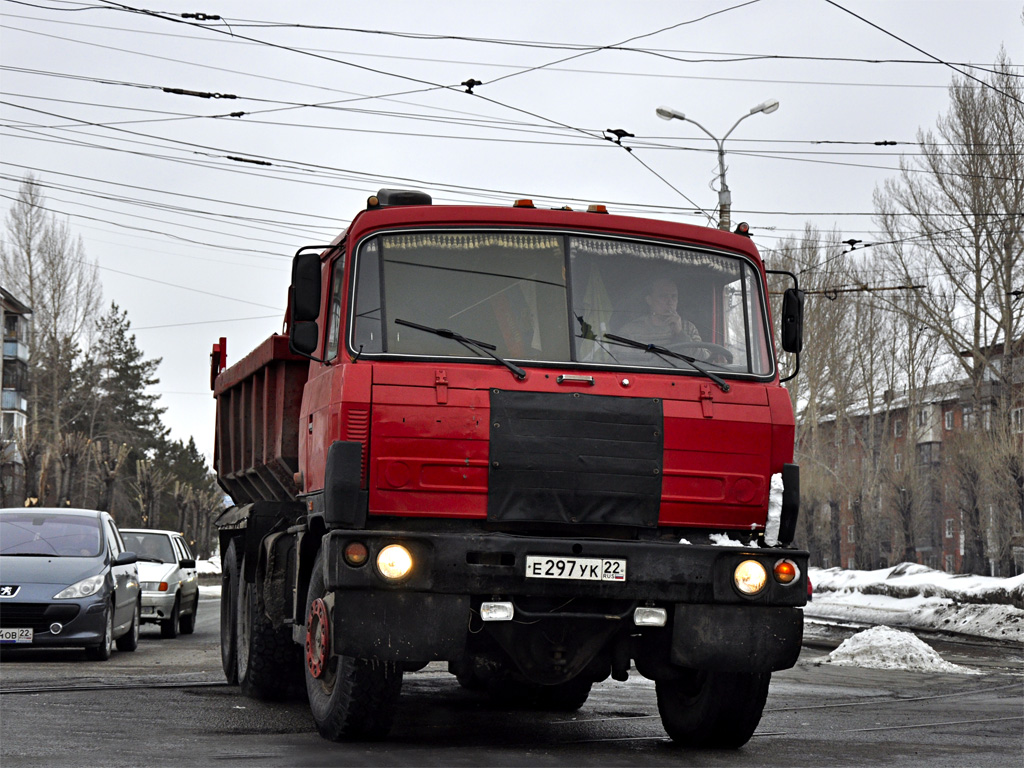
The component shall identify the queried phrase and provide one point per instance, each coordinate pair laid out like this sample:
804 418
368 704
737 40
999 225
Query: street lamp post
724 195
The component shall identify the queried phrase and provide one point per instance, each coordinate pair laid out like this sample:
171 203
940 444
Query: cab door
319 428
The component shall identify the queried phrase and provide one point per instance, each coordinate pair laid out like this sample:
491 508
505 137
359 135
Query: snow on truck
514 440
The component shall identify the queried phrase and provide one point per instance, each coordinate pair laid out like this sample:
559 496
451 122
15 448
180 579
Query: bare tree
46 266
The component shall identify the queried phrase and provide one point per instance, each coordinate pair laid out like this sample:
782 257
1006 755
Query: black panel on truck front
574 458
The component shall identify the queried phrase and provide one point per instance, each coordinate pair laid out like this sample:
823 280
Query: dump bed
256 450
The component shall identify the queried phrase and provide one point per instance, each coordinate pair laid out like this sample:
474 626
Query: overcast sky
340 99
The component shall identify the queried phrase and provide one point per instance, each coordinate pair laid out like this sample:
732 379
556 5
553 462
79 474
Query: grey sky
196 245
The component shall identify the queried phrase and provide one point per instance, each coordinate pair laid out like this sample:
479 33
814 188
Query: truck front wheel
351 699
711 709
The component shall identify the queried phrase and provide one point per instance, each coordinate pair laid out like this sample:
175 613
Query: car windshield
149 546
559 298
49 534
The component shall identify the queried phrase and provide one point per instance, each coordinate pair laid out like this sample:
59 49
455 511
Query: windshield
149 546
54 535
559 298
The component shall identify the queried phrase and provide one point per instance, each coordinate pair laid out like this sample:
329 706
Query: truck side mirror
305 287
303 337
793 320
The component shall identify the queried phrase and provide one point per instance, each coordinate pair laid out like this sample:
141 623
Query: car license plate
22 635
575 568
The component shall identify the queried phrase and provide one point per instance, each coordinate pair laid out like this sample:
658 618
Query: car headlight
84 588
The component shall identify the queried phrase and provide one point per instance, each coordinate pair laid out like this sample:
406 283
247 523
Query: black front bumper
426 615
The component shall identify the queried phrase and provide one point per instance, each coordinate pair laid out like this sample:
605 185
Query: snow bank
887 648
912 595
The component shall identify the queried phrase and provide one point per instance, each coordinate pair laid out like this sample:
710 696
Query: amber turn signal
786 571
355 553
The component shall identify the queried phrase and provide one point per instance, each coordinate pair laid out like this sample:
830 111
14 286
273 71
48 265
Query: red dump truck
547 447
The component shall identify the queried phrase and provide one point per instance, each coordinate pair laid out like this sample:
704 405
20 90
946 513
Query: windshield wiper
722 384
146 559
483 346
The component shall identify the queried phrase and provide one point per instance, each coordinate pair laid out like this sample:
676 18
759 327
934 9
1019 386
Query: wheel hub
318 647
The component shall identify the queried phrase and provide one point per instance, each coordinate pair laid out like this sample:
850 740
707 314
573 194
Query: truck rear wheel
712 709
228 613
351 699
268 660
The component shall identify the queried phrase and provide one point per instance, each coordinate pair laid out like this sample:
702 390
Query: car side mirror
187 562
793 320
126 558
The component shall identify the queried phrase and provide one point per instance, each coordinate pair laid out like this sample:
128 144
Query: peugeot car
66 580
167 572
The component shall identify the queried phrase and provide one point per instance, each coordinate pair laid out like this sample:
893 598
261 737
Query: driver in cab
663 325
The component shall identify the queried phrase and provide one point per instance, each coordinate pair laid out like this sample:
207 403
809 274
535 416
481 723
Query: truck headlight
750 577
394 562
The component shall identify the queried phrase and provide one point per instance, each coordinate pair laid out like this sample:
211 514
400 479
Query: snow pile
912 595
723 540
211 566
887 648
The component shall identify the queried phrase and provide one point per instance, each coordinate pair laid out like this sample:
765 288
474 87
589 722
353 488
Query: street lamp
724 196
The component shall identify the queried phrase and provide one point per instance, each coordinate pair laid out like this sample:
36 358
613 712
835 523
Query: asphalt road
166 705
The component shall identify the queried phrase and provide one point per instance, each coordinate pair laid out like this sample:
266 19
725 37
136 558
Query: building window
897 427
950 564
922 417
897 461
851 563
1017 419
947 420
968 417
850 538
949 527
929 453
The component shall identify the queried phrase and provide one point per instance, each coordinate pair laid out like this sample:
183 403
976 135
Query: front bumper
495 564
426 615
82 621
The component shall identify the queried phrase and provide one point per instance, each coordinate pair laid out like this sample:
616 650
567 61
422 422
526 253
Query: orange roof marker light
597 209
523 203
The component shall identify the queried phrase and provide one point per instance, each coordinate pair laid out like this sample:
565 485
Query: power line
956 69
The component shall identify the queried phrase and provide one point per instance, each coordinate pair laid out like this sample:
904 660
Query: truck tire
710 709
268 660
352 699
228 612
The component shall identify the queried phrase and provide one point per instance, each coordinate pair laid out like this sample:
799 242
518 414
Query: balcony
13 400
15 350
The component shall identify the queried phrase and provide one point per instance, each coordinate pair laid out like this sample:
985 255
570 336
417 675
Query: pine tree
125 412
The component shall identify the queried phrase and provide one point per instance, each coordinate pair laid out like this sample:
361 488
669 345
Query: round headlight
394 562
750 577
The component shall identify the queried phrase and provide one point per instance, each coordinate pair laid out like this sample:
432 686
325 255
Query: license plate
23 635
575 568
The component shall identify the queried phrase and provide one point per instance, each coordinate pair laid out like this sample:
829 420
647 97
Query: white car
167 574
